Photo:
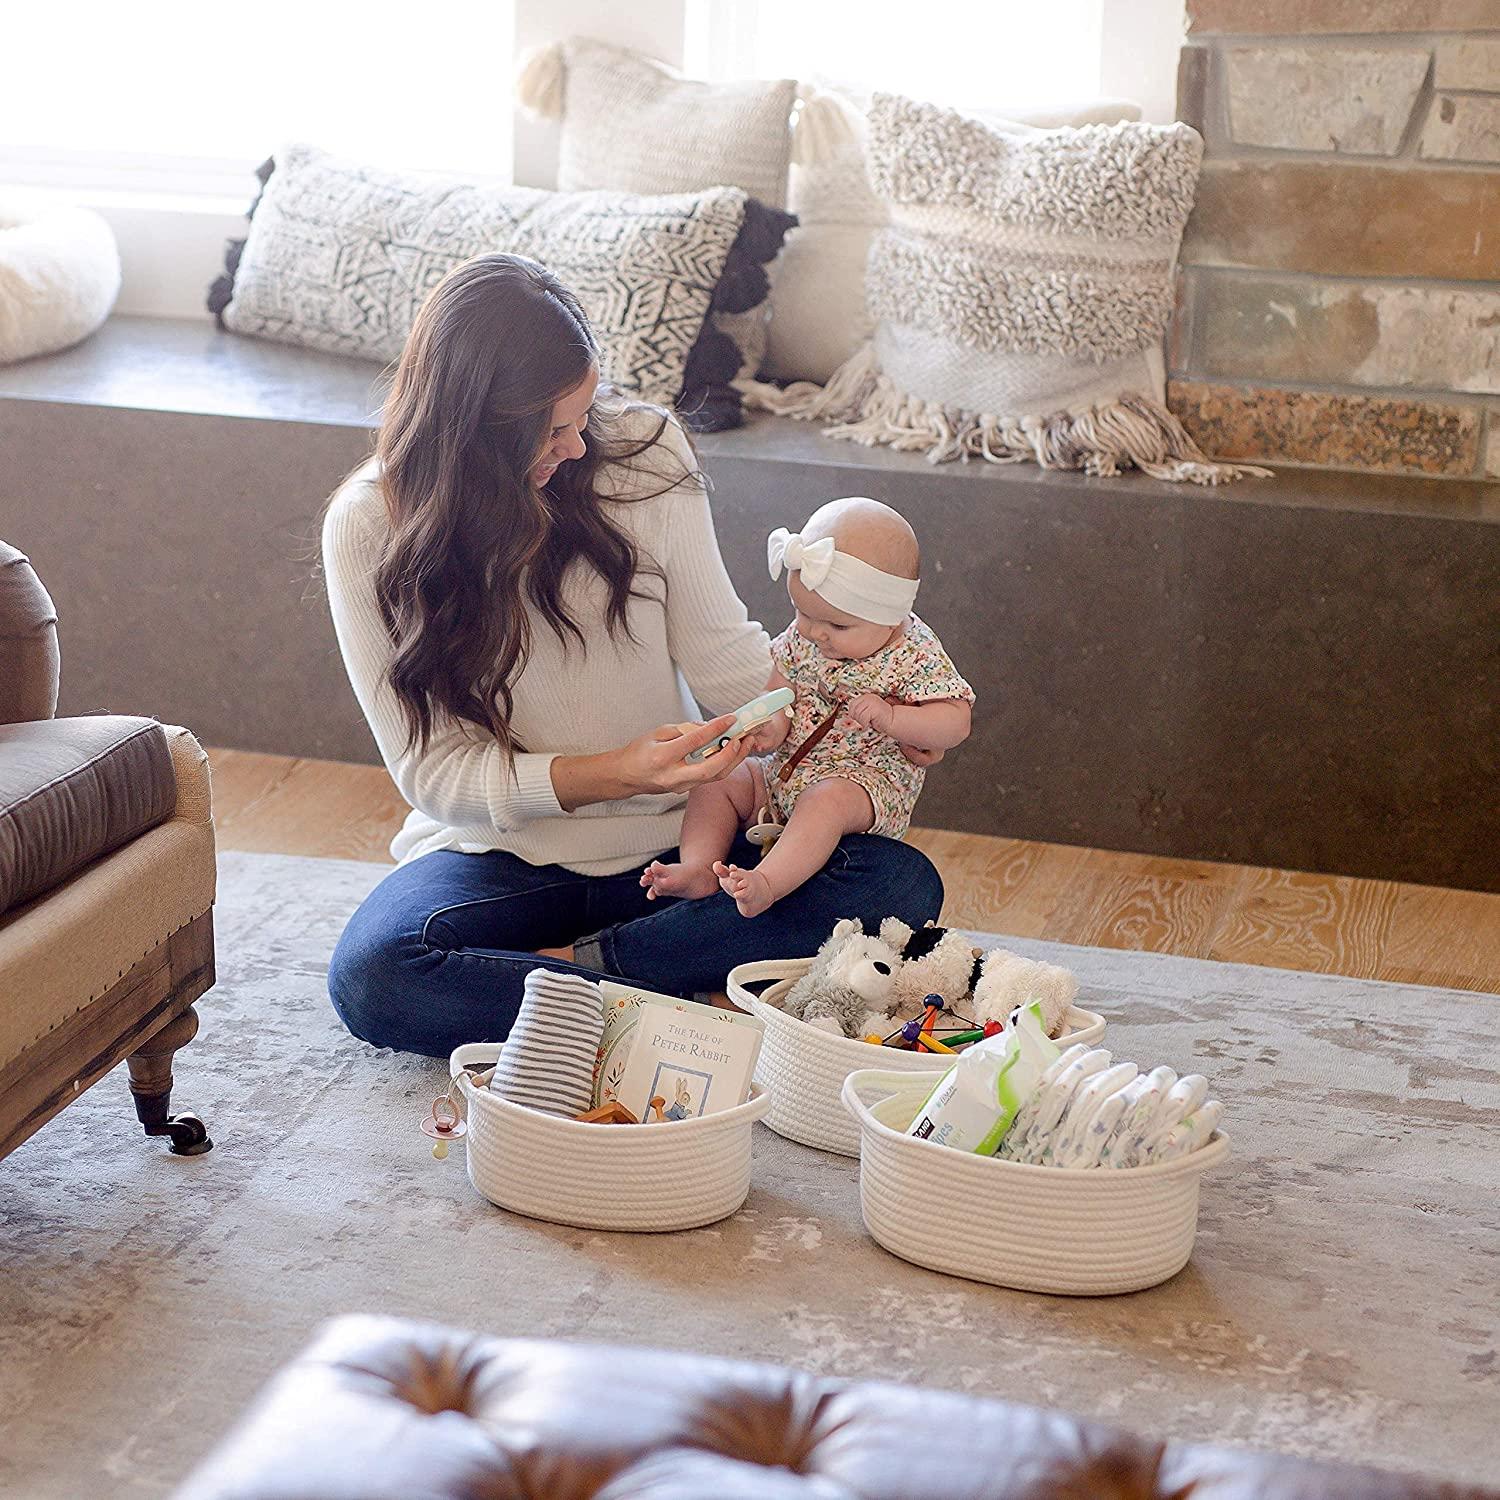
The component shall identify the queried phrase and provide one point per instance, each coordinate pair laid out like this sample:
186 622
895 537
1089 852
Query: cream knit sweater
694 649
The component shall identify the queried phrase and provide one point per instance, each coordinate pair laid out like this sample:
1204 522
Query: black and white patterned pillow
340 256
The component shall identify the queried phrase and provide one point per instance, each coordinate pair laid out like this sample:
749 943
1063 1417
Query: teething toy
756 712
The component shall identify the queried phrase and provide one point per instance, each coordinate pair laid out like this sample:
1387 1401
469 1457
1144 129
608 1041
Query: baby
869 678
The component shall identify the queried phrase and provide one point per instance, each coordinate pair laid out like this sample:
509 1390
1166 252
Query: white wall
171 249
1142 39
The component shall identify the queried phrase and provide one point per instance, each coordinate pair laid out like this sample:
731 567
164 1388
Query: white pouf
59 276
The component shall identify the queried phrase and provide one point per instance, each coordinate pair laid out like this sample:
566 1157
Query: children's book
684 1060
621 1003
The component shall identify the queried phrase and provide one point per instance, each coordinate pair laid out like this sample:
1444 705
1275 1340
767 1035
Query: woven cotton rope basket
676 1174
804 1067
1091 1232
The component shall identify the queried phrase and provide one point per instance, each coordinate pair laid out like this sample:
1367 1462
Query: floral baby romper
914 668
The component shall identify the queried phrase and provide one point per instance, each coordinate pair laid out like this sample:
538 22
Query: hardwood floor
1325 923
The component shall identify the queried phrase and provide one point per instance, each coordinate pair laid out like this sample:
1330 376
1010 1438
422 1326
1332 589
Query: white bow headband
843 581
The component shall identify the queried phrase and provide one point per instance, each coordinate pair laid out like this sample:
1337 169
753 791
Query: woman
526 586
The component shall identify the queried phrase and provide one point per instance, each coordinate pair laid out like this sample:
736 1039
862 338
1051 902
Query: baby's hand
872 711
765 738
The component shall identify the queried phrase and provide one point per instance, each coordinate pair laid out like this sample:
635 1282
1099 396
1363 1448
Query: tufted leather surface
383 1409
28 642
73 789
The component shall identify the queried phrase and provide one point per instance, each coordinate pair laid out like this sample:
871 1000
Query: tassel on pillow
540 81
826 125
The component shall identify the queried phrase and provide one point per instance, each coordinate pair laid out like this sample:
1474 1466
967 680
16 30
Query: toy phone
756 712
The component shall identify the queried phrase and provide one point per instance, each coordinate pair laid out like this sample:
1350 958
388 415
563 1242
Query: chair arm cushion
71 790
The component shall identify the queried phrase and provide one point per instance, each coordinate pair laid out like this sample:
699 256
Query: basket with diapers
917 994
1036 1165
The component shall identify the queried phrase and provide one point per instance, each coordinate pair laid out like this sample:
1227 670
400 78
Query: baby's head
852 597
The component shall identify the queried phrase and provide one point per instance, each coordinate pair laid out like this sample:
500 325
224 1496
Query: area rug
1341 1301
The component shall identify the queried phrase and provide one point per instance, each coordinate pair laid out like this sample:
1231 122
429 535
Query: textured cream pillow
1019 292
632 124
818 314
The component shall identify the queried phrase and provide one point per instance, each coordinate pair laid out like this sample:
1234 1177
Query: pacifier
444 1123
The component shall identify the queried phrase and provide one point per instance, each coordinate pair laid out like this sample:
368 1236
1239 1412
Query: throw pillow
340 256
1019 295
632 124
818 313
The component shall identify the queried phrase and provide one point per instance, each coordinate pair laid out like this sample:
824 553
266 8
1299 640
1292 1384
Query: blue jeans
436 955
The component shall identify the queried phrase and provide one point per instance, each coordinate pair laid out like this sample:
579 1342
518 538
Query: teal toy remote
756 712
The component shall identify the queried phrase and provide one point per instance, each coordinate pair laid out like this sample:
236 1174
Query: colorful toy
931 1043
756 712
848 989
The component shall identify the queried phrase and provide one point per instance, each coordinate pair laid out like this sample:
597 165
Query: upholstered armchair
106 888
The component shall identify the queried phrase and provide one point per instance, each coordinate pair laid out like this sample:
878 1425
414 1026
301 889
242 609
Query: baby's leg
715 813
823 814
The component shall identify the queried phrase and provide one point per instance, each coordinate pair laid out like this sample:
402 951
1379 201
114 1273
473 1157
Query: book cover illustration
687 1060
620 1005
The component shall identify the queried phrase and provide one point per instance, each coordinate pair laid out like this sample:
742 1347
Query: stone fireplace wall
1339 302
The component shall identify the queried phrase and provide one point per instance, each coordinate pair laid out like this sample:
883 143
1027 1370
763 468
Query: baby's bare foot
687 881
751 890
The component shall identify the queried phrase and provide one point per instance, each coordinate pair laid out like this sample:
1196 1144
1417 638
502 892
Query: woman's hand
655 760
648 766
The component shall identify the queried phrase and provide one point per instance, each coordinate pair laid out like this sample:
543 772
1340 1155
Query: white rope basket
804 1067
1090 1232
673 1174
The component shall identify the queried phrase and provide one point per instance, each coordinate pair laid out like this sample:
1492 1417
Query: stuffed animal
1007 980
934 961
849 990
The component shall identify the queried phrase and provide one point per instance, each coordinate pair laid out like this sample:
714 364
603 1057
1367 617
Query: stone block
1492 447
1462 127
1347 219
1192 86
1339 17
1346 333
1356 100
1468 62
1376 433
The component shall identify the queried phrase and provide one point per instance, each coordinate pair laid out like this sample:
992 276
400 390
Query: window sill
187 365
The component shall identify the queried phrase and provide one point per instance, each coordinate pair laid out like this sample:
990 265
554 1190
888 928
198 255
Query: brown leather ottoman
384 1409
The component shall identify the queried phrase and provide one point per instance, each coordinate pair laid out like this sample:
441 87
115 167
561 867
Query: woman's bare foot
751 890
687 881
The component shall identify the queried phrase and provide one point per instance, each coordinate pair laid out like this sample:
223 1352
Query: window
978 54
188 98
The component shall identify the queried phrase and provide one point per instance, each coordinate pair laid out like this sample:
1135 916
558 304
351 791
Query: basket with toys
916 995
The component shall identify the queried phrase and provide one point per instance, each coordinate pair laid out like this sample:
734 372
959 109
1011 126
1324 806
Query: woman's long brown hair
472 539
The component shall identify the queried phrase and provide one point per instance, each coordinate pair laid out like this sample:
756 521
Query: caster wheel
189 1135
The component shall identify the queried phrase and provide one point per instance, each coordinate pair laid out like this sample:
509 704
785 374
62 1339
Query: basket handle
764 969
471 1055
866 1086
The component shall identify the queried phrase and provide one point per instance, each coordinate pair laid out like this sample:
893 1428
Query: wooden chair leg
151 1082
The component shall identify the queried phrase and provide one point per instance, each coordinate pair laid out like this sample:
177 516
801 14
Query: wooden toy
613 1113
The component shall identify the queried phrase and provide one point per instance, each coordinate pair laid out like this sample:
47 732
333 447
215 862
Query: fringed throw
864 406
